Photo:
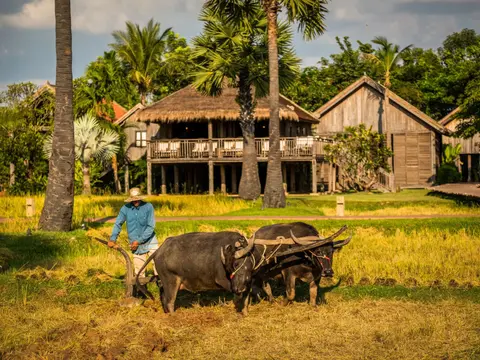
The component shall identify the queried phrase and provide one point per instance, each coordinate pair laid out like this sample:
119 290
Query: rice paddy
403 289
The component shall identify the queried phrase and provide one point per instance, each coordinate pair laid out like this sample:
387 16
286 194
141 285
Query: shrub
448 173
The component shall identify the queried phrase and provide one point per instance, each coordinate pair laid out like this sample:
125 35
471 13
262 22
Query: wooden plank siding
469 146
416 137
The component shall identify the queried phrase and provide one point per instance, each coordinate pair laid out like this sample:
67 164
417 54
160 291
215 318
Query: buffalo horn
316 244
222 256
340 243
244 251
305 242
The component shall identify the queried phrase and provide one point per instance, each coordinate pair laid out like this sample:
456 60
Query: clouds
425 23
27 38
101 16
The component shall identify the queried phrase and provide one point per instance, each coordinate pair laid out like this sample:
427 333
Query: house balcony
231 149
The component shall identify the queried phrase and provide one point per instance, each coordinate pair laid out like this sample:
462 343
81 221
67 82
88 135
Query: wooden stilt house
193 143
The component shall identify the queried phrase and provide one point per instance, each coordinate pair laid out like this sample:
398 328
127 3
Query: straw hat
135 195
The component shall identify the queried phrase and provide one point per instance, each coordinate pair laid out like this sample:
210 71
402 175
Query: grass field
406 289
407 202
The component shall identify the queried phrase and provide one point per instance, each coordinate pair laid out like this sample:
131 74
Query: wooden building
194 142
470 153
414 137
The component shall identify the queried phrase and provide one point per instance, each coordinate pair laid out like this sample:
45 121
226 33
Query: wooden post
176 185
12 174
314 177
149 167
127 180
195 181
321 173
30 210
469 163
234 179
189 179
223 187
329 177
210 178
149 178
340 206
164 180
334 178
292 178
210 135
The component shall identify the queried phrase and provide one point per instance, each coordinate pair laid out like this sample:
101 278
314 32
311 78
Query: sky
27 37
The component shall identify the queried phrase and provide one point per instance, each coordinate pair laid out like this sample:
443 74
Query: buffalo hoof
287 302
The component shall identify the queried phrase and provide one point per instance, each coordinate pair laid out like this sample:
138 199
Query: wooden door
412 159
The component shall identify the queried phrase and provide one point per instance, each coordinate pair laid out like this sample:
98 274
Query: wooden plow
130 282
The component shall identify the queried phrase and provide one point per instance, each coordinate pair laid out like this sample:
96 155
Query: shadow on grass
461 200
43 249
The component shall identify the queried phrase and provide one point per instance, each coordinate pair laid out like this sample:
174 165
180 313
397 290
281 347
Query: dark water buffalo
203 261
309 267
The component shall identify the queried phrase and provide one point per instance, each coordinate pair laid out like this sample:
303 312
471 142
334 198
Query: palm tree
387 57
235 54
91 142
310 16
141 49
58 208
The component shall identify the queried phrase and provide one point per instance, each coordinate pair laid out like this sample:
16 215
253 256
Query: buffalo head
238 264
323 256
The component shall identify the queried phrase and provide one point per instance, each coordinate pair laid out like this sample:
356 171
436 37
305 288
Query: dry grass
93 207
360 329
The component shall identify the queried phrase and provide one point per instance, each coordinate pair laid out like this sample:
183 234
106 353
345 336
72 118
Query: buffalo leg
169 294
241 302
322 300
313 293
268 290
290 288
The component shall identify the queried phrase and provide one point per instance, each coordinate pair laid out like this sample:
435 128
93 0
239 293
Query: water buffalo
203 261
310 267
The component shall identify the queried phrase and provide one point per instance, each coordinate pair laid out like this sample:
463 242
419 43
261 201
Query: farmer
140 219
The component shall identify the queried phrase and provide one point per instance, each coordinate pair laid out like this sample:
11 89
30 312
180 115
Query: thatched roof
188 104
365 80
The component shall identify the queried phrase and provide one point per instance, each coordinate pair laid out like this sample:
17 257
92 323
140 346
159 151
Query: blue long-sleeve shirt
140 226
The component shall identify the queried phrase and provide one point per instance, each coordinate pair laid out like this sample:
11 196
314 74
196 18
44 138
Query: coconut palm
387 57
58 208
91 142
235 54
310 16
141 49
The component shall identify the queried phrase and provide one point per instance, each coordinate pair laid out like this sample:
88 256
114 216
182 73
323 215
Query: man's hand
112 245
134 245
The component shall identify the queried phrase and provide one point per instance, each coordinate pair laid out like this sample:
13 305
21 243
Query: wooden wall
469 146
366 105
135 153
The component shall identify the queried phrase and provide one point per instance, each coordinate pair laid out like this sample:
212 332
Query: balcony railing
230 148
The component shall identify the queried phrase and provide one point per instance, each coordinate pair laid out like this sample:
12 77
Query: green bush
448 173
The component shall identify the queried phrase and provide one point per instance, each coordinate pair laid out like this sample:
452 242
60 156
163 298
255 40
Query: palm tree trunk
250 187
86 178
274 193
58 209
118 185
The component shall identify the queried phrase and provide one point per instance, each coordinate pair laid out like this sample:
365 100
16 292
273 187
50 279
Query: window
140 138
